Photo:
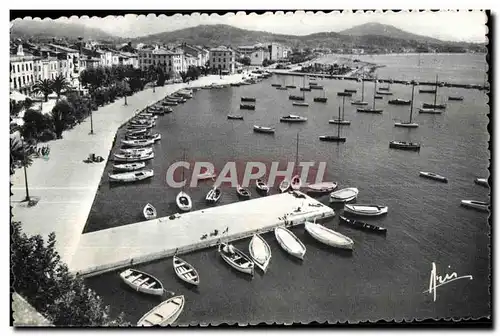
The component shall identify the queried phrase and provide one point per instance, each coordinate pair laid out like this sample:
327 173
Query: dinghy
262 186
183 201
243 192
429 111
339 122
142 150
482 182
366 209
248 99
236 259
321 188
213 195
363 226
289 242
284 185
296 182
293 118
235 117
133 157
328 236
344 195
138 143
399 101
164 314
300 104
434 177
458 98
414 146
129 166
185 271
263 129
332 138
477 205
260 252
149 212
142 282
134 132
131 176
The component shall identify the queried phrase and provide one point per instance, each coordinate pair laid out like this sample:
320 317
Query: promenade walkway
65 184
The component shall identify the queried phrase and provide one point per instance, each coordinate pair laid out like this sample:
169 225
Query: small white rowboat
366 209
149 212
477 205
344 195
164 314
131 176
289 242
328 236
185 271
142 282
260 252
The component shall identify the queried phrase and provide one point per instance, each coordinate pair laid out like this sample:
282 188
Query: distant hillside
215 35
379 29
48 29
374 37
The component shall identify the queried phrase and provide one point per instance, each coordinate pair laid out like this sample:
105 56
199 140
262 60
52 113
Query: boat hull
260 252
185 271
282 235
479 206
329 237
177 304
243 269
407 125
183 201
332 138
434 177
363 226
404 146
344 195
366 210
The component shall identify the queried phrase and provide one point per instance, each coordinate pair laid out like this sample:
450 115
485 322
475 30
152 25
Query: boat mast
343 107
297 152
374 93
436 92
362 89
338 125
183 170
412 95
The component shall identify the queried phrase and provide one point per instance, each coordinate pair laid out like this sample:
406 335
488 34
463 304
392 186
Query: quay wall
162 245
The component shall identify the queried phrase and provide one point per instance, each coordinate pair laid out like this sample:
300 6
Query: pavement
64 184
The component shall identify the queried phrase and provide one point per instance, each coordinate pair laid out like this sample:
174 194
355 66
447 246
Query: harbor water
385 276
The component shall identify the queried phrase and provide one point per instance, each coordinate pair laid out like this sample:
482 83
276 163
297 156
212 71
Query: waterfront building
222 59
22 71
89 62
201 54
127 58
71 70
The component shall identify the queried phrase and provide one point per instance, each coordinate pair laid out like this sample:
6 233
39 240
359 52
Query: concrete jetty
110 249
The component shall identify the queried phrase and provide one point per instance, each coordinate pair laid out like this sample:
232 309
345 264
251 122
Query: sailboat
296 180
293 84
361 102
304 88
321 99
433 108
302 98
340 121
283 86
409 123
183 200
334 138
373 109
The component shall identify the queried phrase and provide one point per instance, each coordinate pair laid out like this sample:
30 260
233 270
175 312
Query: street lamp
126 90
91 121
27 199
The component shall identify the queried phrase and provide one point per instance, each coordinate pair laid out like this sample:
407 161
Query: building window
15 84
18 68
31 66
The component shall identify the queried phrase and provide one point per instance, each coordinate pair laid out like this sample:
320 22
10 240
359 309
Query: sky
450 25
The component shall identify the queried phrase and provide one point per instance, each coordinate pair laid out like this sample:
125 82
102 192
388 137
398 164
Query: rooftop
66 49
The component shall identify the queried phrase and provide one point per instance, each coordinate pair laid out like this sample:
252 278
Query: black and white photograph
286 167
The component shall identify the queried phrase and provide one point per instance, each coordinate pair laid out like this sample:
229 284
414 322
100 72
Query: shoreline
65 184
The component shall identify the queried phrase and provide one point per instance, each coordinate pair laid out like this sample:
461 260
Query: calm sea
384 277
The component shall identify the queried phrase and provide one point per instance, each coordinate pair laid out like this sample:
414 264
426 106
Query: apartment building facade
22 71
222 59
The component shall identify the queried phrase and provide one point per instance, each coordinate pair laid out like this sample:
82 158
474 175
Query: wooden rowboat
149 212
185 271
236 259
164 314
142 282
260 252
289 242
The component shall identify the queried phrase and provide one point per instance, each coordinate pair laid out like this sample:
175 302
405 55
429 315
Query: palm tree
20 154
59 84
44 87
